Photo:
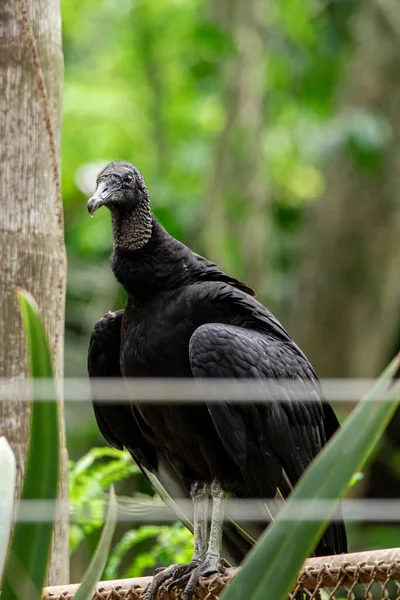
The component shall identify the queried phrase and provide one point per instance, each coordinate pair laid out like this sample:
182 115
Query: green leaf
27 561
356 478
128 541
7 488
96 567
272 566
90 477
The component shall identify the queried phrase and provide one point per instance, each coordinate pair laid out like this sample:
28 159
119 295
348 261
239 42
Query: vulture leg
219 497
199 492
211 563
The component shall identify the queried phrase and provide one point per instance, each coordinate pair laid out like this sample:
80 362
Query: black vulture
186 318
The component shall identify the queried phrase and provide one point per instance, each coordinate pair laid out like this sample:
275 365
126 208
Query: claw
211 564
162 575
180 582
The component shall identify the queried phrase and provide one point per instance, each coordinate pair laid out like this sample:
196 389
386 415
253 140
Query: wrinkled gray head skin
120 186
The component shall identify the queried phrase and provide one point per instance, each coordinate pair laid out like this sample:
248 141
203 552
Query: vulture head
120 187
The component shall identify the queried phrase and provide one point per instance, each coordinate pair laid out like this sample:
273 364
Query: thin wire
154 511
188 390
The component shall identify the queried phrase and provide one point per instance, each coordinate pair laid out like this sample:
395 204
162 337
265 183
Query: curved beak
99 198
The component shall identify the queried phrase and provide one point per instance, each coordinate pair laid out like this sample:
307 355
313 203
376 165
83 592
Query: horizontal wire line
186 390
238 510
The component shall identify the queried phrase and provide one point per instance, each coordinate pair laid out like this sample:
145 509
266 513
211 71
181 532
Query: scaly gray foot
211 564
174 572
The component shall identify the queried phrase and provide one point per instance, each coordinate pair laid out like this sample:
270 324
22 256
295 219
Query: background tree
345 312
31 218
348 296
237 182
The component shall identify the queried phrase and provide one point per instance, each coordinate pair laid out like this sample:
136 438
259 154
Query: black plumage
186 318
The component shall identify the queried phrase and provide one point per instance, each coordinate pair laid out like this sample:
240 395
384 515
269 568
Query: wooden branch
327 572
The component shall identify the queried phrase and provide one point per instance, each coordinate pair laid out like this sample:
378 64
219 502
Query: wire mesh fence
188 390
364 575
151 509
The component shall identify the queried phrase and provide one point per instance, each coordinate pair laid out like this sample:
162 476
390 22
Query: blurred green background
268 136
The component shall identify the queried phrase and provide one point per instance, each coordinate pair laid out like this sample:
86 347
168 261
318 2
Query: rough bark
346 309
31 233
238 174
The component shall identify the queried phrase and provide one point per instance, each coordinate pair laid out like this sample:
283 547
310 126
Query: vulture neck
160 263
132 230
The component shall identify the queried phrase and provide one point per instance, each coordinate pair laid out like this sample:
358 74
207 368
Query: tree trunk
238 175
346 311
31 226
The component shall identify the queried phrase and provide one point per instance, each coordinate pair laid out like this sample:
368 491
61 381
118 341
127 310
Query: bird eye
128 178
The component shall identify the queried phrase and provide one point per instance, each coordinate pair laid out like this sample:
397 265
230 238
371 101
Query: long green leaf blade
271 569
96 567
28 558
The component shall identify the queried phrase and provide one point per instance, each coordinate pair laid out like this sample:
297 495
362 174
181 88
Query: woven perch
345 571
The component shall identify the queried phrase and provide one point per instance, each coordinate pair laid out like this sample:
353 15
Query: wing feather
273 442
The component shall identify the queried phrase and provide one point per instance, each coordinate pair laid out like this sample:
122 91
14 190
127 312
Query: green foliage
140 549
27 560
90 477
286 544
167 545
